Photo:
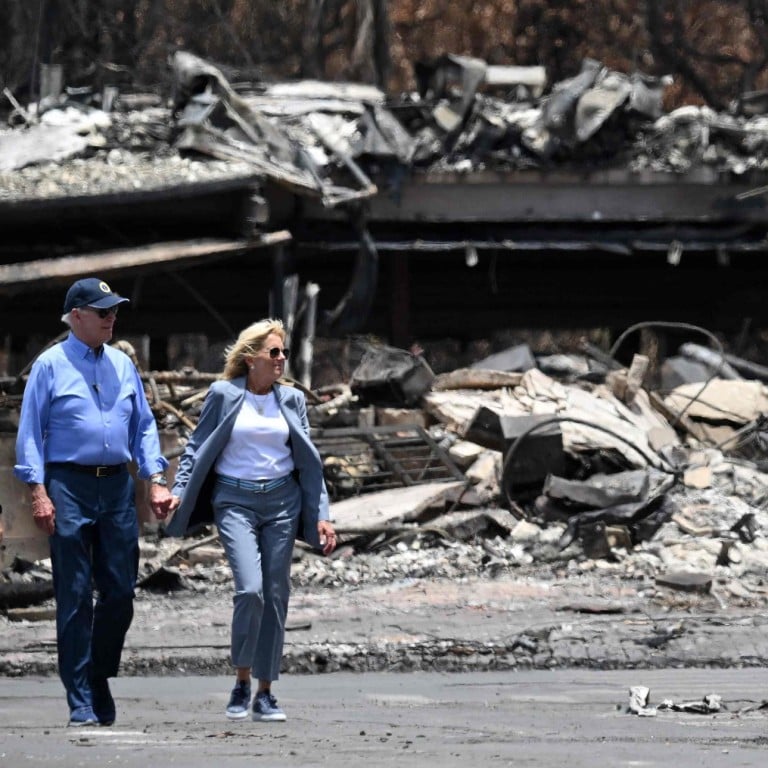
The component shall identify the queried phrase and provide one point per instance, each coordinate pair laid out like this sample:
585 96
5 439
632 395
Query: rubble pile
631 467
625 506
338 142
571 463
635 488
642 492
123 170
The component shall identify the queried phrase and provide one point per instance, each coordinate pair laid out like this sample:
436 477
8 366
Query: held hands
160 501
43 511
44 514
327 536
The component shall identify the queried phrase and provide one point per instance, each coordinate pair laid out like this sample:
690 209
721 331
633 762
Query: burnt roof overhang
619 196
200 208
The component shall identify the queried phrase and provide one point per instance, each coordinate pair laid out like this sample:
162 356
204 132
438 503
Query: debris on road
639 703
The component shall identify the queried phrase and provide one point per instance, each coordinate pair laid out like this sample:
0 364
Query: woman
251 467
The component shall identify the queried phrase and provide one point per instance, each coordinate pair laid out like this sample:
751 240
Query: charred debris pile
654 467
340 144
331 141
574 462
480 173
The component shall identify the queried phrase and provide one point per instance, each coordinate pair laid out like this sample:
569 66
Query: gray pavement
511 623
524 668
577 718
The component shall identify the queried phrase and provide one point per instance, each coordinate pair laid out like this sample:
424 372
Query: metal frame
368 459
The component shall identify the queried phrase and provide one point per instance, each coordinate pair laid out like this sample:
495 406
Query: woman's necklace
259 402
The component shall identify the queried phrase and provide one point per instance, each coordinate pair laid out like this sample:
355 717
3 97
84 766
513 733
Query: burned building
486 201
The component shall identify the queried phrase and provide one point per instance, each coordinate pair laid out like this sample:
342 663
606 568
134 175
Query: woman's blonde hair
250 341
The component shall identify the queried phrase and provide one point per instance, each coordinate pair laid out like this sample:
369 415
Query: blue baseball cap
91 292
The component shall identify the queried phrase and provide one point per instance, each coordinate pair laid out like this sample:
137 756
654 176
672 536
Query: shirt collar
81 348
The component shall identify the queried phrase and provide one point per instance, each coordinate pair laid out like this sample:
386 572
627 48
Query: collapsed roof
327 139
480 158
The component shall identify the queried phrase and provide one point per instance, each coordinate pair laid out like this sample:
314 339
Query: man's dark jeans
95 544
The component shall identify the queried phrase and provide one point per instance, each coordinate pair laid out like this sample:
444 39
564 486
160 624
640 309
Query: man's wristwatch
159 479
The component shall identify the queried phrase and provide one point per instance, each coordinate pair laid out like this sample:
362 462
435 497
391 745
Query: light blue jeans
257 531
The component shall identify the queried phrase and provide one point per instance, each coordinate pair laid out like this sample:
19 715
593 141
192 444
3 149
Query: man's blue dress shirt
86 408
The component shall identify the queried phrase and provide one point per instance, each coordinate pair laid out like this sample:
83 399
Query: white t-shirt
258 446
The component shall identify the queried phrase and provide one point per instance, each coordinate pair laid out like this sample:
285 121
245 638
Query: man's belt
257 486
102 470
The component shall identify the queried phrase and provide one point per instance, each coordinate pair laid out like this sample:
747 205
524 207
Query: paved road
577 718
519 670
511 623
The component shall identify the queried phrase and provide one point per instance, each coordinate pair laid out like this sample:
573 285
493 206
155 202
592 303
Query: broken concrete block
484 474
593 540
538 452
564 365
680 370
686 581
638 701
387 416
485 468
518 358
721 400
390 376
698 477
525 532
465 525
625 384
485 429
465 452
600 490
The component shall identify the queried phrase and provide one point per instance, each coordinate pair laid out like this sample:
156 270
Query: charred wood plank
42 273
24 594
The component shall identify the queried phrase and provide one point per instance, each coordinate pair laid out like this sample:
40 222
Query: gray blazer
195 477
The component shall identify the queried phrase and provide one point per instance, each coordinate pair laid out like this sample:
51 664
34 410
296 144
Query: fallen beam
42 273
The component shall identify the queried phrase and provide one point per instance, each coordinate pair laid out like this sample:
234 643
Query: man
83 417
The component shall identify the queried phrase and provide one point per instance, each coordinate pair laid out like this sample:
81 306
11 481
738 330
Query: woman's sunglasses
103 313
274 352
